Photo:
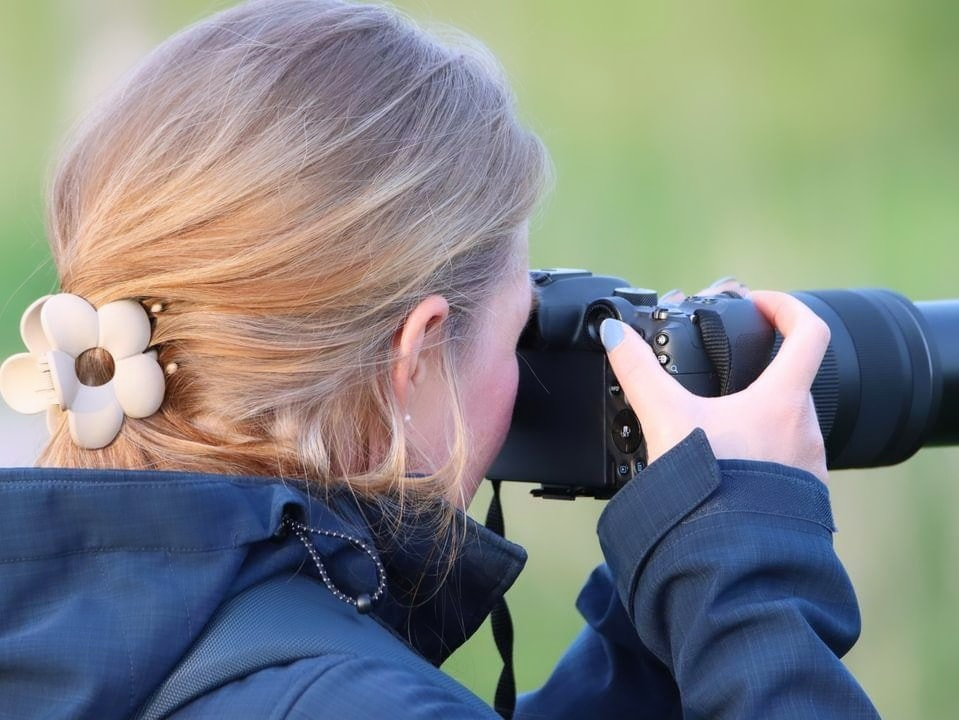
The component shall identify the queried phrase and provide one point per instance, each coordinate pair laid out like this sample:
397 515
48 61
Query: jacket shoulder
347 687
288 648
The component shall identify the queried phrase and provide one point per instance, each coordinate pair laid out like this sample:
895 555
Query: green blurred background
795 145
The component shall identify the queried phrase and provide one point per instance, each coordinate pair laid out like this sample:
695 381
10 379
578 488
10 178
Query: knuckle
822 330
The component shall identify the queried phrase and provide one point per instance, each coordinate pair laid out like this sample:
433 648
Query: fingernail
611 333
724 280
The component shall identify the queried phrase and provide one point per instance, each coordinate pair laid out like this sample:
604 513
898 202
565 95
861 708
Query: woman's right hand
773 419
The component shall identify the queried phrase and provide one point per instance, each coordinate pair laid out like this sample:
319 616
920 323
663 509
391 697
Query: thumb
646 384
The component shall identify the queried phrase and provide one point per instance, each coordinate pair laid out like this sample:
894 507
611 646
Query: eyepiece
595 314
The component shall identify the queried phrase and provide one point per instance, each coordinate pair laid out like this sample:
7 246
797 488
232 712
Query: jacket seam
806 477
745 511
92 483
126 649
101 550
666 546
291 705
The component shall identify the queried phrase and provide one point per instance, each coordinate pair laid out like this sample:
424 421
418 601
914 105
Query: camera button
663 359
623 470
625 432
662 339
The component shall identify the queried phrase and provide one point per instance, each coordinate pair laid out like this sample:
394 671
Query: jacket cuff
650 504
687 483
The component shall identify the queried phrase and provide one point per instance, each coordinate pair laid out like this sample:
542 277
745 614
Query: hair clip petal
96 417
31 329
139 385
25 387
69 323
124 329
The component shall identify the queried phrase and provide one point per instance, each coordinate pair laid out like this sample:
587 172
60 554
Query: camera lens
888 384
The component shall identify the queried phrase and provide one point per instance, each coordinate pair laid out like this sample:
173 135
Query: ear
412 364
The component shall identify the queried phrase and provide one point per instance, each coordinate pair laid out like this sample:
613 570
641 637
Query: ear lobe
411 365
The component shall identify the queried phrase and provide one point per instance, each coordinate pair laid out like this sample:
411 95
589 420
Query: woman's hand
773 419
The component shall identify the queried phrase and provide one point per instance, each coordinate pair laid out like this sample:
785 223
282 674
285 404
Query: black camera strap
504 701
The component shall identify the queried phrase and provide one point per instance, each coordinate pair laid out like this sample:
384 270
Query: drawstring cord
504 701
362 602
505 698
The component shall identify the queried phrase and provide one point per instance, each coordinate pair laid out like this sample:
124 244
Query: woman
292 253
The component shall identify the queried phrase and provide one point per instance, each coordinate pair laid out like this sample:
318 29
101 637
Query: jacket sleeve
725 573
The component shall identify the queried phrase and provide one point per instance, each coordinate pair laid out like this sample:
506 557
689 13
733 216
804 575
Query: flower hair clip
58 329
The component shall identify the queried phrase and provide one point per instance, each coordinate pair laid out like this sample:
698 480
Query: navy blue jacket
721 597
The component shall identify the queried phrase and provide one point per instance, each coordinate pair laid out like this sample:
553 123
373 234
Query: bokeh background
795 145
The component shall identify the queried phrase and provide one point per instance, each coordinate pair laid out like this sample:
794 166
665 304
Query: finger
634 363
728 284
805 338
673 297
724 280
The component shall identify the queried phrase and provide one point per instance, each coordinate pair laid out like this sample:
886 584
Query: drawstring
505 699
504 702
362 602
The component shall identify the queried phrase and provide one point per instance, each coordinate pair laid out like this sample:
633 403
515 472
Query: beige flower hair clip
57 329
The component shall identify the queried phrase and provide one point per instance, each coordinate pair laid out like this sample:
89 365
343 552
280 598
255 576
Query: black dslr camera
889 382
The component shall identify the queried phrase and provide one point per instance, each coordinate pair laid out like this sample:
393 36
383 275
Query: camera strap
504 701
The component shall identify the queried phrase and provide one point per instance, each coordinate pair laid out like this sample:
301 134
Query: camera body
571 418
887 386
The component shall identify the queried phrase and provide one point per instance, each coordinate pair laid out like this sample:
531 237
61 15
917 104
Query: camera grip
738 343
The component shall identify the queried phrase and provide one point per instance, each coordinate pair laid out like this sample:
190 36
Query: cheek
491 408
511 384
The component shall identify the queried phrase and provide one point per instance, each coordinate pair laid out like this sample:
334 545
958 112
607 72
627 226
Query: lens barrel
889 383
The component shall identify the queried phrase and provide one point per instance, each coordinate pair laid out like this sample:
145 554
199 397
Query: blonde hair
287 180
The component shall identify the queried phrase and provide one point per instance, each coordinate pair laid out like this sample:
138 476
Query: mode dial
637 296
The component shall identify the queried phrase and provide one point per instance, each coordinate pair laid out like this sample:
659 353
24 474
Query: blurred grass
796 145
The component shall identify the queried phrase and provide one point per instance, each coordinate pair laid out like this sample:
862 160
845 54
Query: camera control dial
637 296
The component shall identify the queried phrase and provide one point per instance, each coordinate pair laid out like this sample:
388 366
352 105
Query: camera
888 384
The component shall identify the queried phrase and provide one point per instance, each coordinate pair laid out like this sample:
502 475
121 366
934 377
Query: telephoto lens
889 383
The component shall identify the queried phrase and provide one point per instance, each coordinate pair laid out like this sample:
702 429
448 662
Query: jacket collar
236 525
441 584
